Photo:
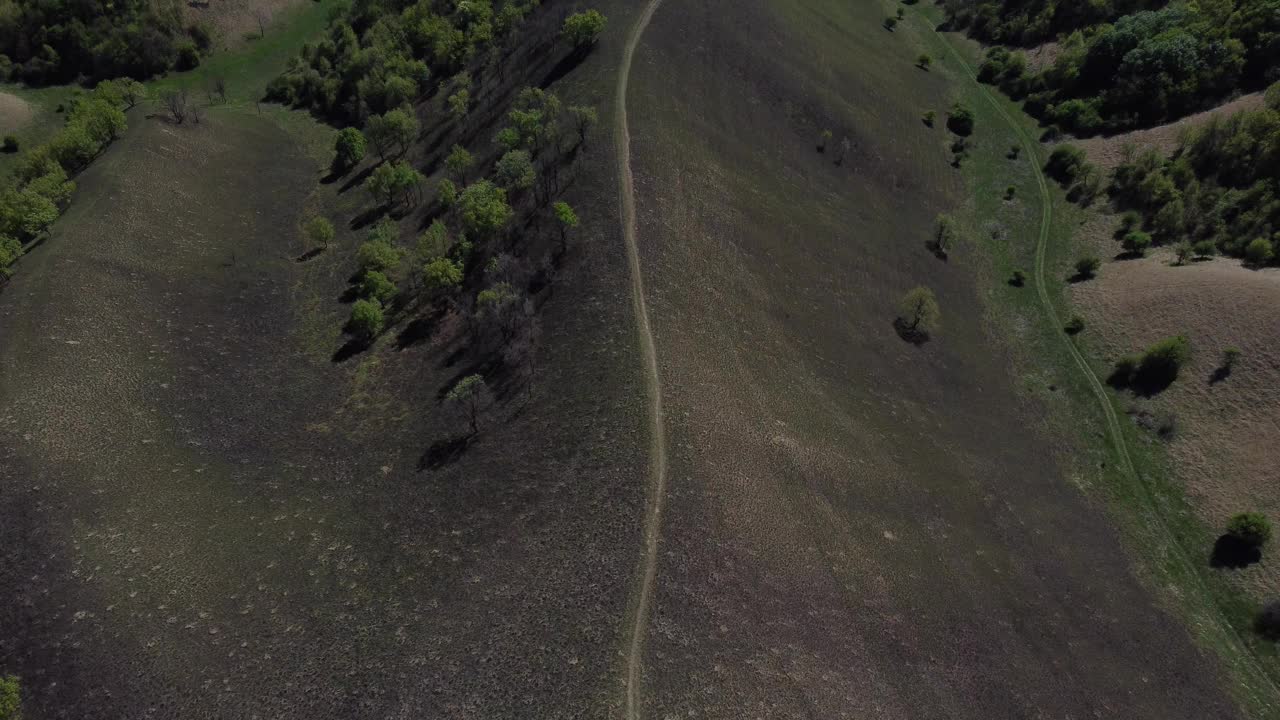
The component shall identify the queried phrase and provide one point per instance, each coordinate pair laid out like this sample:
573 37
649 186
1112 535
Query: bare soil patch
14 113
1108 152
1043 56
1225 428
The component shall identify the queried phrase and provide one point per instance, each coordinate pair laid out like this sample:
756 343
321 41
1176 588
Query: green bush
10 699
1259 251
1136 242
960 120
375 285
348 149
366 319
581 29
1161 362
1075 325
377 255
1087 267
1066 163
1250 528
10 144
1204 249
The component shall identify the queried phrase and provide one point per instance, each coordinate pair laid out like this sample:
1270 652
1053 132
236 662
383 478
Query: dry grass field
15 113
1225 428
235 22
1108 152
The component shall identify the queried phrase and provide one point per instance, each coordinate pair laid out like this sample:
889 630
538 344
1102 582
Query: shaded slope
855 526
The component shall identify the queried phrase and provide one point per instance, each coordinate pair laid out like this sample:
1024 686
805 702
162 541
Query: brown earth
1226 427
1043 56
854 526
14 113
1108 152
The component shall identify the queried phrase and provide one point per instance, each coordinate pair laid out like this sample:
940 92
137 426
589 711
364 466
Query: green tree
434 242
441 275
377 254
918 311
568 220
459 103
1065 163
1259 251
584 117
484 209
1161 362
1182 252
393 131
923 61
447 193
472 397
1251 528
945 235
890 23
366 319
375 285
1136 242
390 182
10 251
515 170
10 699
1205 249
459 163
583 28
929 117
348 149
319 231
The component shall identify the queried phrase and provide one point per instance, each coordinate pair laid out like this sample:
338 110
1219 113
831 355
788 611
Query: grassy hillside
204 515
856 525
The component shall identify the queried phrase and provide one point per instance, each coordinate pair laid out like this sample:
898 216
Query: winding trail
653 386
1114 431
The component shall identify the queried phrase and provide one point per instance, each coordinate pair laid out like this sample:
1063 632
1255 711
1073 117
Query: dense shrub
366 320
1087 267
1250 528
1066 163
960 120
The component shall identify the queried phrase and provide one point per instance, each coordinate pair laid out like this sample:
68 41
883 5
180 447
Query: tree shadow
444 452
937 250
1219 374
311 254
358 178
915 336
367 217
1232 552
564 67
1081 277
349 350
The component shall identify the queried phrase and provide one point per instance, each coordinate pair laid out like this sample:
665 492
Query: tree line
40 188
46 42
1217 192
1135 65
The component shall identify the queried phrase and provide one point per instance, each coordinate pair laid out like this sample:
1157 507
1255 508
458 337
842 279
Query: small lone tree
366 319
1014 152
472 397
918 313
583 117
319 231
348 149
890 23
1182 252
568 220
1074 326
1204 249
484 209
929 117
823 138
944 236
377 286
1230 357
923 61
441 275
176 102
960 120
1019 278
1251 528
1087 267
583 29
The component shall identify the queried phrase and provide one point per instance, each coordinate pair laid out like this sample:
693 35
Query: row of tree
59 41
1145 68
40 188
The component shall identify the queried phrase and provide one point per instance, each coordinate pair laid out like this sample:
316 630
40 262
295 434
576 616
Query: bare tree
177 103
262 16
219 88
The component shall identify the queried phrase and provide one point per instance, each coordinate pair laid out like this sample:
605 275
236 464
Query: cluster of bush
1030 22
59 41
40 188
1148 67
1217 192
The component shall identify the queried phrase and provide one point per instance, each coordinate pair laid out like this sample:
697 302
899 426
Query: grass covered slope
854 525
202 518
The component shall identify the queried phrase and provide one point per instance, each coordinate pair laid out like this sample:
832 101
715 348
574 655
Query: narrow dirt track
653 386
1114 431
